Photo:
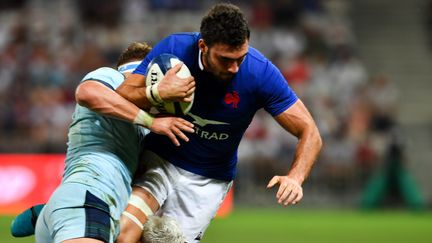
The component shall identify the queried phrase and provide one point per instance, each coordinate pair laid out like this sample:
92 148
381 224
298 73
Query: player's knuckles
284 184
296 190
166 132
298 196
285 196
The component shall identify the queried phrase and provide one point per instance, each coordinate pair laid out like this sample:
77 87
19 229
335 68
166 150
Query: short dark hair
134 52
225 23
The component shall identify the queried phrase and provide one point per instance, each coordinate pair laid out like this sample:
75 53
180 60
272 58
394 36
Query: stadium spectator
393 185
188 183
382 96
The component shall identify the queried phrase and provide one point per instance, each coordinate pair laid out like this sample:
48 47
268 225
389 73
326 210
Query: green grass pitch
305 226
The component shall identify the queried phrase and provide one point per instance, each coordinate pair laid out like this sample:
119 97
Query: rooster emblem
232 98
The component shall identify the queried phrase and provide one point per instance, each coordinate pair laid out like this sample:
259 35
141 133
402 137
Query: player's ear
202 46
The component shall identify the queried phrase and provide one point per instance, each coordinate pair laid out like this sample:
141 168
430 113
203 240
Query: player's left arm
298 121
103 100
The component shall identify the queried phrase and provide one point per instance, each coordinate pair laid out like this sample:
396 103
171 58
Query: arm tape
149 95
139 203
133 218
155 93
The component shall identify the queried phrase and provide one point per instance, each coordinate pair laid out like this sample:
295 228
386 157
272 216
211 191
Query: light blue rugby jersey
221 111
94 134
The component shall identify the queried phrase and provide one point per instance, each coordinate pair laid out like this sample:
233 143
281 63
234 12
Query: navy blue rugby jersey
221 111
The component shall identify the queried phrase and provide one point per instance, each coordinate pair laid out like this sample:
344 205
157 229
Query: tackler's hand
172 127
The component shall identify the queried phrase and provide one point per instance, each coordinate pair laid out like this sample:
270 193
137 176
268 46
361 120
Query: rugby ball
155 73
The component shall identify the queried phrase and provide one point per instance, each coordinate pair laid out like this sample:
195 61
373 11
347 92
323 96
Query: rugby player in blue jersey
233 81
103 151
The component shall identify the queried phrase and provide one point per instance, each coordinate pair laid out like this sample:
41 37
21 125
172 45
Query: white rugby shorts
191 199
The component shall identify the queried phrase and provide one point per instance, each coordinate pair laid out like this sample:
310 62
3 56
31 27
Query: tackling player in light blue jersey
233 81
103 154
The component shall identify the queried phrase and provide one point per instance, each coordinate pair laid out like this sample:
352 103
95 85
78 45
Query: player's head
225 38
132 56
161 230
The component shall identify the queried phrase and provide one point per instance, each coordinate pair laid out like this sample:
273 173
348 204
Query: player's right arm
99 98
170 88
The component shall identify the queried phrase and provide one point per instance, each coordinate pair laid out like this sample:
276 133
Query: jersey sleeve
275 92
107 76
164 46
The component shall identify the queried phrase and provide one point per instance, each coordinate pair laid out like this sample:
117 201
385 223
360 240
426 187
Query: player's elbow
319 141
315 137
311 134
82 95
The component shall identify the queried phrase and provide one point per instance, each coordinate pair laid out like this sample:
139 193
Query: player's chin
225 77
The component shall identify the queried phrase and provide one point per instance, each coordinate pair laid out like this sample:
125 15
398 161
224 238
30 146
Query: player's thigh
194 203
159 177
82 223
42 232
73 212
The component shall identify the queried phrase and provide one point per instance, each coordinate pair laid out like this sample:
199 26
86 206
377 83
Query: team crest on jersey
232 99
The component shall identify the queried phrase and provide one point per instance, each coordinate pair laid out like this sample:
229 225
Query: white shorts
191 199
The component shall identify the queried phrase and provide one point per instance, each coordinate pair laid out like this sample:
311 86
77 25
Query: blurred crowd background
362 67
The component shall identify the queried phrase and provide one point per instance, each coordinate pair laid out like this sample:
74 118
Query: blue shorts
86 216
89 201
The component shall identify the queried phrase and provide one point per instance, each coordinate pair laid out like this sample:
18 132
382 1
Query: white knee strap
139 203
133 218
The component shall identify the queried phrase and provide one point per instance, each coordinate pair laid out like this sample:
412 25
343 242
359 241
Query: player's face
222 60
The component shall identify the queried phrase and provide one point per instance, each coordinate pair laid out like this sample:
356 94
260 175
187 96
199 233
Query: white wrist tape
150 96
155 93
144 119
133 218
139 203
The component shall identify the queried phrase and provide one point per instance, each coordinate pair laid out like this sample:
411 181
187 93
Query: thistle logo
232 98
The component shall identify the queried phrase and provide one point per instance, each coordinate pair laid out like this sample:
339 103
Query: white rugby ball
156 71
